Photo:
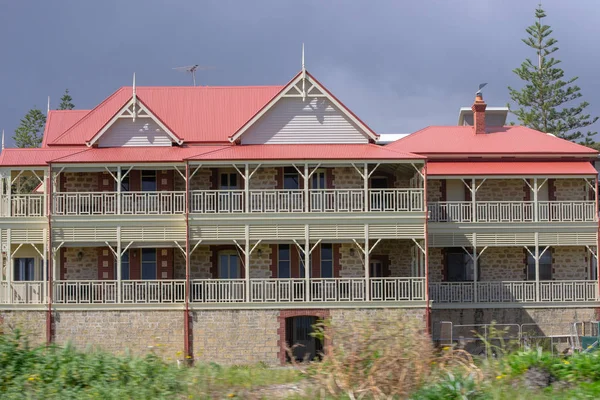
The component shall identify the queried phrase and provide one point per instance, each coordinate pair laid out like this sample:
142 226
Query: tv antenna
192 70
481 86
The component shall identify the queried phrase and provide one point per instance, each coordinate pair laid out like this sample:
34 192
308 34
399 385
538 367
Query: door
376 269
229 266
378 195
299 337
24 269
148 264
229 198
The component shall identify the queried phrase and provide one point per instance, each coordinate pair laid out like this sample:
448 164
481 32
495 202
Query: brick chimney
479 114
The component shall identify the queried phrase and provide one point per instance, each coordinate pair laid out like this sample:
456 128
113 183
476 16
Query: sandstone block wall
85 268
501 190
31 324
571 190
347 178
139 332
264 178
502 264
236 336
434 190
436 264
80 181
570 263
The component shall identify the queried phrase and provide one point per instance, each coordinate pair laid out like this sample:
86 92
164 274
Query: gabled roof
58 121
311 87
507 140
306 152
196 114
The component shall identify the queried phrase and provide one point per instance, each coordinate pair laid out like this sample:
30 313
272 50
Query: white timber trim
130 110
295 89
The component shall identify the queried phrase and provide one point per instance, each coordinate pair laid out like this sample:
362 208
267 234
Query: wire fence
492 339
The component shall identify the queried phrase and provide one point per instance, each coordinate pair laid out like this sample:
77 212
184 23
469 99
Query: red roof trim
508 168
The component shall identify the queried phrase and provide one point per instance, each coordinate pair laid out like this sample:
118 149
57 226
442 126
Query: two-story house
222 221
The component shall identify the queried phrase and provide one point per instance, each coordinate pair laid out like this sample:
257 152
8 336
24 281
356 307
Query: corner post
119 264
536 206
247 262
473 202
246 188
537 267
119 182
475 269
9 267
366 186
367 251
306 263
306 192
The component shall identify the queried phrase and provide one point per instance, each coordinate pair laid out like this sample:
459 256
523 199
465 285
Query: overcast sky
399 65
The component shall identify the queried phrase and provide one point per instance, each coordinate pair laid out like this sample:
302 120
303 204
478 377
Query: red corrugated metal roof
34 157
448 140
543 168
134 154
59 121
306 152
95 120
195 114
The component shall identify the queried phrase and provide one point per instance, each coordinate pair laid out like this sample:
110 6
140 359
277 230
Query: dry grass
382 358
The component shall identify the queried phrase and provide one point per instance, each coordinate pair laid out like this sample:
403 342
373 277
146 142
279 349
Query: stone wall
264 178
570 263
119 331
200 264
347 178
434 190
260 265
397 252
502 264
436 264
200 181
76 269
347 316
32 324
570 189
501 190
236 336
80 181
351 266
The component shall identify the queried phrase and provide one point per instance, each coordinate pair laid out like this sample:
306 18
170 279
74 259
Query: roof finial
134 99
48 109
303 75
481 86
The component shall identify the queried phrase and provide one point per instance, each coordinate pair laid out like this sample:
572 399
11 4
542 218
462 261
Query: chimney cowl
478 108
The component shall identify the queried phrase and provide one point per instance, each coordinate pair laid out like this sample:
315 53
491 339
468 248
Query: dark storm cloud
400 65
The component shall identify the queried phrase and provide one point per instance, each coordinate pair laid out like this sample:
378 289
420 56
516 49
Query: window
459 266
284 266
149 181
229 181
124 184
327 261
318 180
291 180
24 269
229 266
376 270
545 265
125 266
149 264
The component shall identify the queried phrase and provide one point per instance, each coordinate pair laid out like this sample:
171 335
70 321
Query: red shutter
214 179
106 264
165 180
279 178
274 261
135 181
61 263
106 183
164 258
134 264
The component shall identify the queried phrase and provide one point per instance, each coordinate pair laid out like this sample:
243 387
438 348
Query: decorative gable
304 112
134 125
141 132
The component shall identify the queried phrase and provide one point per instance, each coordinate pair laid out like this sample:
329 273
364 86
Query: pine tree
545 100
66 102
30 130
